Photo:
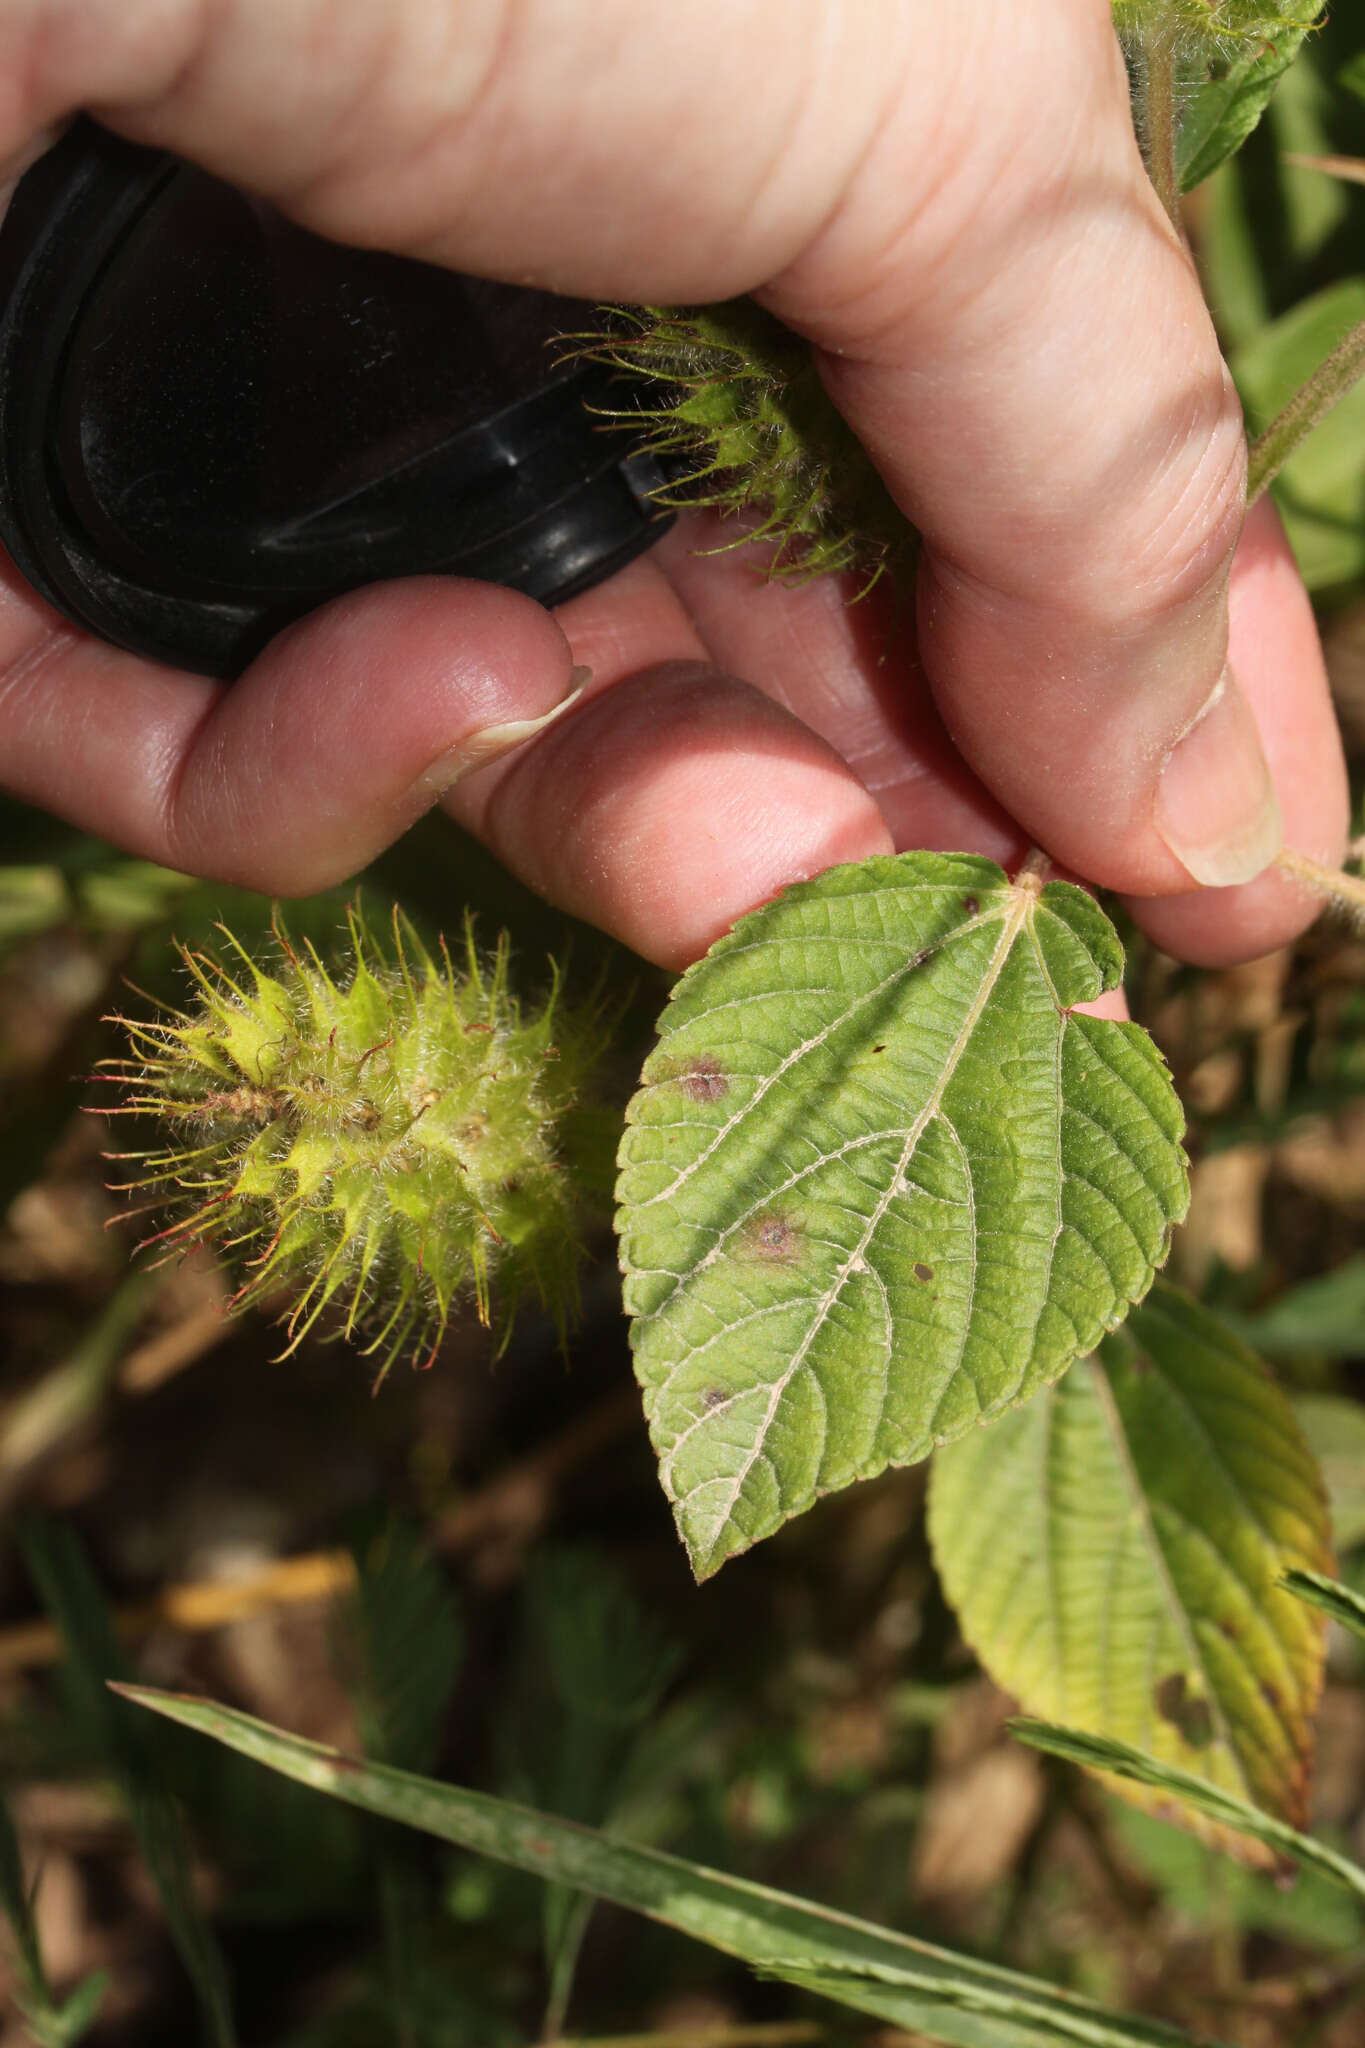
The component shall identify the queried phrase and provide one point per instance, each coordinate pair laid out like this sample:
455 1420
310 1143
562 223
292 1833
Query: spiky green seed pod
738 405
389 1138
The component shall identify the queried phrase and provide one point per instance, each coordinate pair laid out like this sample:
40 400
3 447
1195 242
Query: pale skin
951 205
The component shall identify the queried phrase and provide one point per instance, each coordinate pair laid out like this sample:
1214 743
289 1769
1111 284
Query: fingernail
478 749
1216 806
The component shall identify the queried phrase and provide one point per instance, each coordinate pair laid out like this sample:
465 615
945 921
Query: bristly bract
387 1139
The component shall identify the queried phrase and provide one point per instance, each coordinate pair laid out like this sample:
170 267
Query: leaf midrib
1015 913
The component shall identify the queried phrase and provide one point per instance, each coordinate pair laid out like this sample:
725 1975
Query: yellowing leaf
1115 1551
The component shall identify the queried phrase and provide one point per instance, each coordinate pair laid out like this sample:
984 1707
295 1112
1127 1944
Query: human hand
953 209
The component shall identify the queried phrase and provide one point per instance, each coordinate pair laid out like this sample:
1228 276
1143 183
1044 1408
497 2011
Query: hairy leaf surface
880 1182
1231 87
1114 1551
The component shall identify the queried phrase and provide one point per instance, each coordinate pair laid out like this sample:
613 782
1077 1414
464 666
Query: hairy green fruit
392 1138
741 412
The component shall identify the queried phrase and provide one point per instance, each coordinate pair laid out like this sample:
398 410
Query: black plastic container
212 420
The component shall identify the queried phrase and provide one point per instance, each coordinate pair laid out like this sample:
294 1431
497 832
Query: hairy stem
1344 892
1155 109
1330 382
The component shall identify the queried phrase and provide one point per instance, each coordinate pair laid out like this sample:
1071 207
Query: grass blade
952 1998
1331 1596
50 2025
17 1906
1099 1754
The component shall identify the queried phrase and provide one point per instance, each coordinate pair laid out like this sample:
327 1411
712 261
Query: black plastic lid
212 420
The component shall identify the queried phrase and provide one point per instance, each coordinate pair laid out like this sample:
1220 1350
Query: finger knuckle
1192 512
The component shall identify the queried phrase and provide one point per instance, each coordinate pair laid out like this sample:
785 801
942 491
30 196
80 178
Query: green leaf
1115 1552
1321 489
1182 1788
1335 1429
399 1642
1331 1596
609 1659
1352 75
880 1182
400 1645
1222 112
911 1983
606 1660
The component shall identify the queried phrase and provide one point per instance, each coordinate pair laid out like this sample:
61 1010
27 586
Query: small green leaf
1177 1787
911 1983
1115 1552
1227 105
1331 1596
881 1182
609 1658
400 1644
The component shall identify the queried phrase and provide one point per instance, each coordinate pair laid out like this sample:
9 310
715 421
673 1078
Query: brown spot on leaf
714 1397
971 905
923 1272
704 1081
774 1239
1184 1710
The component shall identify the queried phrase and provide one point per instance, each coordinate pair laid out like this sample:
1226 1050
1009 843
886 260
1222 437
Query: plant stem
1345 892
1155 79
1330 382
